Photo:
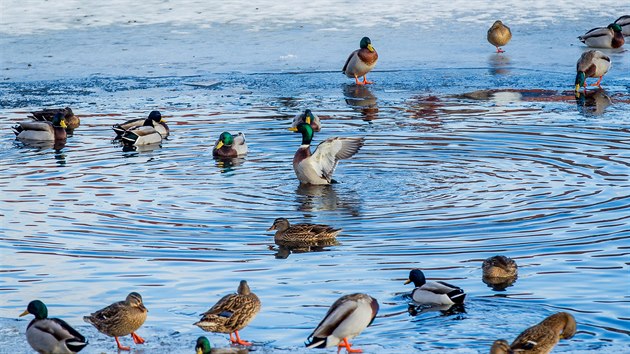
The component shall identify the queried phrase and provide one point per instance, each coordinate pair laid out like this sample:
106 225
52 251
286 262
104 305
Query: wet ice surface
468 154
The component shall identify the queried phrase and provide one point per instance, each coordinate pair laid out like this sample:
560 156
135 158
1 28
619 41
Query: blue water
465 158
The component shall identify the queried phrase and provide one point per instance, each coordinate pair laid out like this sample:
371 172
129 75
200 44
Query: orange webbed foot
348 347
136 338
238 340
120 346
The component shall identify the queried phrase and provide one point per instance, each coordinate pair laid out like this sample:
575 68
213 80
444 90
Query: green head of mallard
580 79
156 116
59 120
224 139
203 345
306 130
37 309
366 43
615 27
416 277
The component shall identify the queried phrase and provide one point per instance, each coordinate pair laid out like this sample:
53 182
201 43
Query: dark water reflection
442 183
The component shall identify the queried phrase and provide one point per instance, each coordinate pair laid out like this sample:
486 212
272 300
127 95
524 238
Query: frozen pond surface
468 154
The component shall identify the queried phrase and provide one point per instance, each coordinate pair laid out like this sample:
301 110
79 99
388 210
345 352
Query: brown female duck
541 338
499 35
47 115
120 319
232 313
302 233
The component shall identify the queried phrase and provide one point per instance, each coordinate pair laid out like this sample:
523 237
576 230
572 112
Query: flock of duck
349 315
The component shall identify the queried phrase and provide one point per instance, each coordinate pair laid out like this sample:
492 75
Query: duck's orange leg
348 346
356 79
365 81
239 340
120 346
136 338
598 82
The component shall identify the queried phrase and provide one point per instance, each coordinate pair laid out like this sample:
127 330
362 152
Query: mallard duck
203 347
592 63
434 293
157 122
120 319
42 131
301 232
361 61
541 338
232 313
307 116
604 37
143 135
499 267
51 335
230 146
345 319
47 114
318 167
499 35
624 22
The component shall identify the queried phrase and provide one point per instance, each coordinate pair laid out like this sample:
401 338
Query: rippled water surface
461 162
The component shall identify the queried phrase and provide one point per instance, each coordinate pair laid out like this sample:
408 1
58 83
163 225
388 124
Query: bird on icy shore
232 313
51 335
120 319
361 61
499 35
345 319
592 63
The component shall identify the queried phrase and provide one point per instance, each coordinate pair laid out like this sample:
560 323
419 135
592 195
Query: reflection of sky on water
444 180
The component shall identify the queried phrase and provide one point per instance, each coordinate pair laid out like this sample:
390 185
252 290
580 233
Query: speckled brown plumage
499 35
499 267
120 318
232 313
541 338
302 233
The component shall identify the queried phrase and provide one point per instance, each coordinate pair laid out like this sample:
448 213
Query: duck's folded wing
595 32
533 338
337 313
345 66
439 287
68 329
144 130
43 126
239 139
331 150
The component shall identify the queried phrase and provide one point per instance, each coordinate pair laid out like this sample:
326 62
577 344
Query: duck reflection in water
226 164
499 64
593 102
141 148
445 310
362 100
324 197
57 146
